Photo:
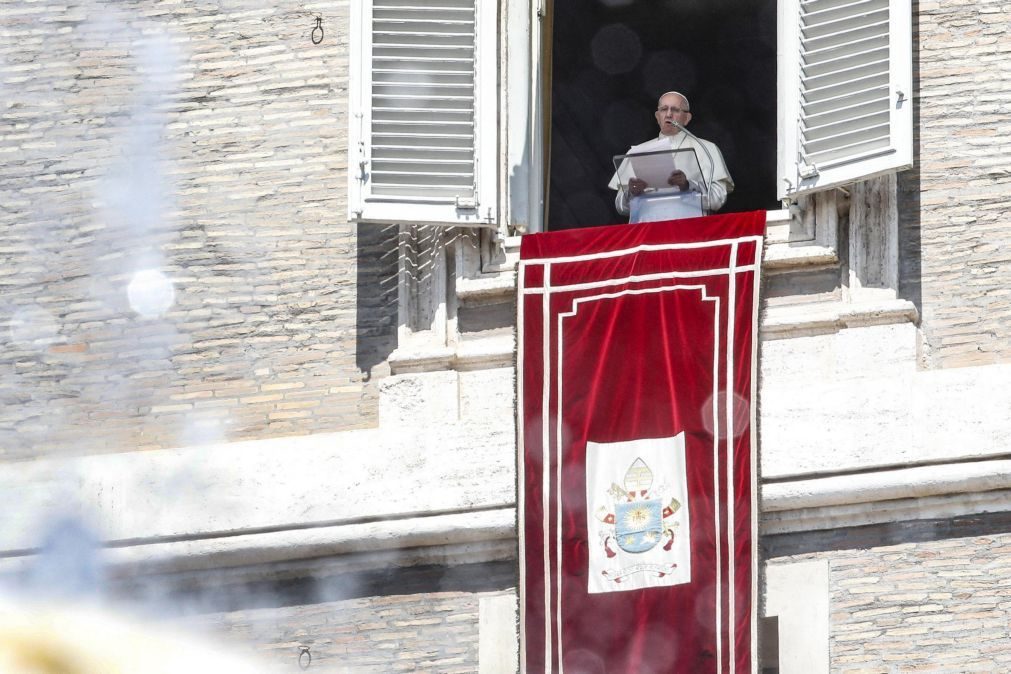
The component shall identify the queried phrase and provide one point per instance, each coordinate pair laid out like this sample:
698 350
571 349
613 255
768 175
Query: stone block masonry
432 632
204 146
954 205
412 619
925 596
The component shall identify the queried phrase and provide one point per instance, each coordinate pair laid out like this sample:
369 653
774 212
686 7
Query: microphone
712 164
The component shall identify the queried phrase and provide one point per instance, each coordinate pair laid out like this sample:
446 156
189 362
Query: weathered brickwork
435 632
955 204
205 143
410 619
940 602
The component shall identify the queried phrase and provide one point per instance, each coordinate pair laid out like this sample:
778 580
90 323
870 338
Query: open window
423 112
611 61
800 95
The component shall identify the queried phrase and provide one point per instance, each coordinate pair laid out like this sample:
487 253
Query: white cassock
708 177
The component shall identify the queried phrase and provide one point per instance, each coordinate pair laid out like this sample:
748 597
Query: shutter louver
844 79
851 111
422 134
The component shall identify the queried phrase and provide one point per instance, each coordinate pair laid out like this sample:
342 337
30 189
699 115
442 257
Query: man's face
670 109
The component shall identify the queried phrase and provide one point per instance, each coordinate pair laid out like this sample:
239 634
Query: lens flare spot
151 293
616 49
714 416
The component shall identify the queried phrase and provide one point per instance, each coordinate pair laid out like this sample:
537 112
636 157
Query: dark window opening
612 59
768 645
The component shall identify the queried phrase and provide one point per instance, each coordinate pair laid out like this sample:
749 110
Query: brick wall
436 632
929 596
953 211
410 619
205 142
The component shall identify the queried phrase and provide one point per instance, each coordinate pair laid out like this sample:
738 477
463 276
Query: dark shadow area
376 286
612 59
768 648
910 251
803 286
881 535
217 591
487 319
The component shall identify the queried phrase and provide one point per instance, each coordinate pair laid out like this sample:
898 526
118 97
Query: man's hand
636 186
679 180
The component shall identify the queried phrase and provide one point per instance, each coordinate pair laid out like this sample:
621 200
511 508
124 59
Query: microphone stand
712 164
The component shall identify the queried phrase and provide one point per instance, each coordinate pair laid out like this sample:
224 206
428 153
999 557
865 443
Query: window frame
363 206
796 179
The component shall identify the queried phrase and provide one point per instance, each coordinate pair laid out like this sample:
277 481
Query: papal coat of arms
639 518
640 522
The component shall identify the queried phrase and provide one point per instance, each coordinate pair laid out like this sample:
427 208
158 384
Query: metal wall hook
304 658
317 32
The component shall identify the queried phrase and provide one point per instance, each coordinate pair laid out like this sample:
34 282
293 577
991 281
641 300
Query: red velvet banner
637 494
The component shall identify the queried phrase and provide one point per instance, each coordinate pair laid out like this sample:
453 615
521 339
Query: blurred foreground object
78 639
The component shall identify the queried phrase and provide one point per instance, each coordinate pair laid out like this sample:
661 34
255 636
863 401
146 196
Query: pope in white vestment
705 172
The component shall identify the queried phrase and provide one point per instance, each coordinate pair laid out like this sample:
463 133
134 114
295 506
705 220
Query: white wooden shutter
845 84
423 127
